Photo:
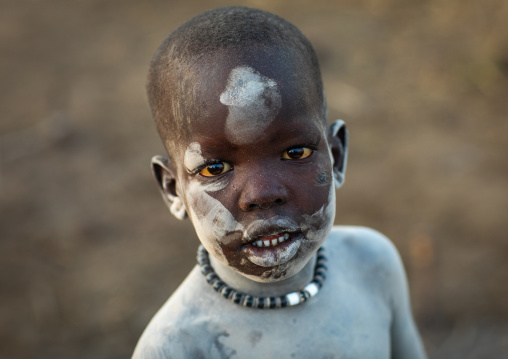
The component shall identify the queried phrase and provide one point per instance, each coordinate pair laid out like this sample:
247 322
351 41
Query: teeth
272 242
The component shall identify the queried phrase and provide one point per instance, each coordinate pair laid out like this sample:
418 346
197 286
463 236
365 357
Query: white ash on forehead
253 101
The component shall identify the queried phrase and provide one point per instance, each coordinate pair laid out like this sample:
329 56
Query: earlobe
338 139
166 179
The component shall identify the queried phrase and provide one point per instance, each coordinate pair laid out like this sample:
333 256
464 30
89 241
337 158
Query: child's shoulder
361 241
365 252
168 331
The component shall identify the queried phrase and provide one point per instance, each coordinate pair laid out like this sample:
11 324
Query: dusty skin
242 185
362 311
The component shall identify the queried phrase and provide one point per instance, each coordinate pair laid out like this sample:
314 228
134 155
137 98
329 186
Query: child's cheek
318 225
212 221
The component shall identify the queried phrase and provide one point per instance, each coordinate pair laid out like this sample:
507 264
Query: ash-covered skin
211 218
253 101
208 215
248 115
315 229
193 158
216 227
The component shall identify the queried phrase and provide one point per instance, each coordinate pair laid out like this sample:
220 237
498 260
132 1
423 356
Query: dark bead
226 291
202 260
283 302
210 277
318 282
321 261
237 297
304 296
320 278
321 266
321 272
206 269
217 285
273 302
248 301
261 303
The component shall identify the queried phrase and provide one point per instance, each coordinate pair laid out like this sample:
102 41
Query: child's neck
248 286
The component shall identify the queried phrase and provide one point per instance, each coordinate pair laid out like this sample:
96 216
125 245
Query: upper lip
269 227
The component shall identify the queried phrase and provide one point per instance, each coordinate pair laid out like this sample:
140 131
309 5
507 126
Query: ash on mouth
272 241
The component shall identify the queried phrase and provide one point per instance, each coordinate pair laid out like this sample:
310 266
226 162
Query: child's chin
278 273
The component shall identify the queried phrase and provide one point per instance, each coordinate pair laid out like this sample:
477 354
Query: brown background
88 252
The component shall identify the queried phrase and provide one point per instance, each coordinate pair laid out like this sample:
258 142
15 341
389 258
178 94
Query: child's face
255 170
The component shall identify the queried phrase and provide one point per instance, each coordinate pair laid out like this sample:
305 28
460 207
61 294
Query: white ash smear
272 258
316 227
212 221
193 158
319 224
253 101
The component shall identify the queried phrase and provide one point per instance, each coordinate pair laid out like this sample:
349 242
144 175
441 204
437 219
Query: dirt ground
88 252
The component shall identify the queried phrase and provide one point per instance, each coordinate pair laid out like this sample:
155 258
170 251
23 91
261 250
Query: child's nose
262 192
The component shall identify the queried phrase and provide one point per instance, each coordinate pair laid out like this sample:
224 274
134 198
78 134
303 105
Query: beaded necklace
252 301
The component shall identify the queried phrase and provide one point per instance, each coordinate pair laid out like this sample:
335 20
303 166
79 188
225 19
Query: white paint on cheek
216 185
193 158
319 224
253 101
212 221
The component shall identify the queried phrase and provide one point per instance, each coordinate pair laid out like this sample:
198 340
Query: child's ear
165 176
337 137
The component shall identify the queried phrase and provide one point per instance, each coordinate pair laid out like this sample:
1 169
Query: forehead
242 93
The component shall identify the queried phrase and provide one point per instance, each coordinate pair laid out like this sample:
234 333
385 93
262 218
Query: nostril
266 205
262 197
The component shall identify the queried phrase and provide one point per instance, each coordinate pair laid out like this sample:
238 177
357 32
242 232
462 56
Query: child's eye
297 153
215 169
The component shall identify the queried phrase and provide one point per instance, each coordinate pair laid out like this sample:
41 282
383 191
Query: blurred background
88 250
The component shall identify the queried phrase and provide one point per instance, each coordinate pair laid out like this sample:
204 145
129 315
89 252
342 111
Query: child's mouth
271 241
273 250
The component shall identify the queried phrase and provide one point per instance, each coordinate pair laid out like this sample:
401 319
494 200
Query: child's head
238 100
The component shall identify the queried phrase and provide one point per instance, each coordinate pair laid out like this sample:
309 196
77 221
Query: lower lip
273 256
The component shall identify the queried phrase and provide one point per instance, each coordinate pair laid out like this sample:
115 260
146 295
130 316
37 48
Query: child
237 97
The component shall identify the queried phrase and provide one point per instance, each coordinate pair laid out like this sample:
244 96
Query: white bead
293 298
312 289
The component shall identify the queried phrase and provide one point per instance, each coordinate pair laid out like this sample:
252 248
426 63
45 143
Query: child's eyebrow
303 135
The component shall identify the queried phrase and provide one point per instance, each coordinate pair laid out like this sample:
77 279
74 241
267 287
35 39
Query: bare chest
347 327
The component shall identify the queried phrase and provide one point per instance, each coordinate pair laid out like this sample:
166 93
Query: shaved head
234 34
